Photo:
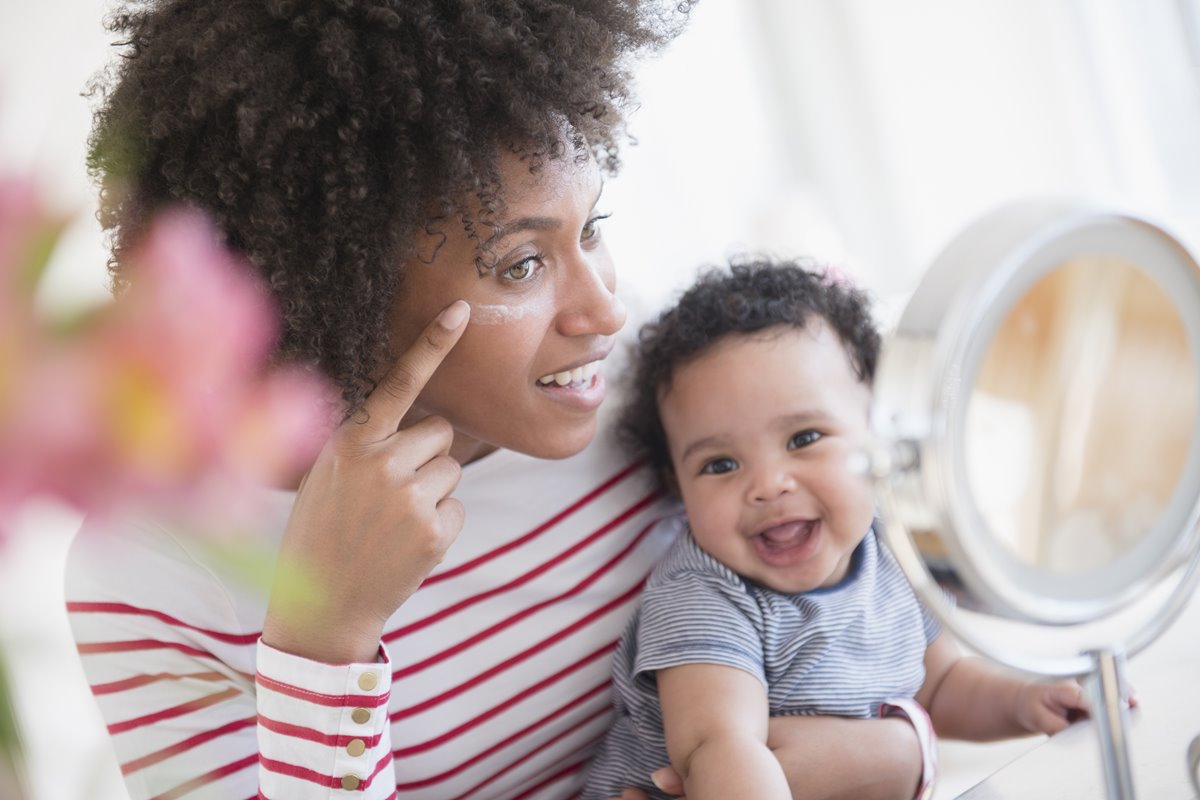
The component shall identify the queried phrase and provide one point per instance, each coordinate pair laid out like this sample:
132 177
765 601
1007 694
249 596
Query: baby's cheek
856 499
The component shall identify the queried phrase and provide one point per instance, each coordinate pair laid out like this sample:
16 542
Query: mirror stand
1193 757
1111 715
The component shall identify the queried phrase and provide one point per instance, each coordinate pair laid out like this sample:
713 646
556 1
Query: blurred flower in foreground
163 398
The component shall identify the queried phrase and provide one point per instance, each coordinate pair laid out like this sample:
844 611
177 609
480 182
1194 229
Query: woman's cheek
512 312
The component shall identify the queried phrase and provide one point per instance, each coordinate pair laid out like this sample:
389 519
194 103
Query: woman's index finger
404 382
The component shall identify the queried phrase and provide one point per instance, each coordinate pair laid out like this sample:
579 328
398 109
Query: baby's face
761 428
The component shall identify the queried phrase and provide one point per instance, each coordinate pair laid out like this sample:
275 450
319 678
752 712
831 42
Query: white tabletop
1166 681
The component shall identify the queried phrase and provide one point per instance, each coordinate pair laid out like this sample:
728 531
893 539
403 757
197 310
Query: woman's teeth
577 375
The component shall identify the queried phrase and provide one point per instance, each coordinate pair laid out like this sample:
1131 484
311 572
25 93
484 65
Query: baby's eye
718 466
591 228
522 270
803 439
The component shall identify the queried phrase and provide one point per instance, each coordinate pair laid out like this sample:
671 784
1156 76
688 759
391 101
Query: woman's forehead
550 184
558 194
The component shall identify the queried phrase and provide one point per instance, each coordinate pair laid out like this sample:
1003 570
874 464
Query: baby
751 395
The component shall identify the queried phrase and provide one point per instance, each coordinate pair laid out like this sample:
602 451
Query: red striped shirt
496 684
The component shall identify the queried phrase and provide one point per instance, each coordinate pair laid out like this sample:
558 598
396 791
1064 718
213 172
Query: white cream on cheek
495 314
504 313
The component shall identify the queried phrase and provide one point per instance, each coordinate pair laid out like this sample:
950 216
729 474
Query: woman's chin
557 444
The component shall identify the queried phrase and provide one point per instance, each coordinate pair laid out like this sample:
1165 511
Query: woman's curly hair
749 296
323 135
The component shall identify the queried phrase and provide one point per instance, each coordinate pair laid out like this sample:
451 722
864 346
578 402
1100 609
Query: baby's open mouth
788 535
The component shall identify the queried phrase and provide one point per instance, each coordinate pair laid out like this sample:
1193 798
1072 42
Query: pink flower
24 223
165 396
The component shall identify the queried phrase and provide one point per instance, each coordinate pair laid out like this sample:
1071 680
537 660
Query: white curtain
909 119
868 132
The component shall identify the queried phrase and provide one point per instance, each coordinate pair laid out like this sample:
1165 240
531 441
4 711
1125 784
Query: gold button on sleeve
361 716
350 782
356 747
368 681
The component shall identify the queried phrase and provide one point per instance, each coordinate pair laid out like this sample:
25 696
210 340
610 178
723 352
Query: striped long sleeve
493 679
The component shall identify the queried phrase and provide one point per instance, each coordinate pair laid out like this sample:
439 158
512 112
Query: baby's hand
1049 707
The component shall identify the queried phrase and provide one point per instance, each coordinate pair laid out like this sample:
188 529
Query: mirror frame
923 385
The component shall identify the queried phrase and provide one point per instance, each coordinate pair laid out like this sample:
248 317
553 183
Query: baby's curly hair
749 296
322 136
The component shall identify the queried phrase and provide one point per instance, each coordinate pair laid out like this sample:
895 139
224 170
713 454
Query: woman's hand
372 518
833 758
666 779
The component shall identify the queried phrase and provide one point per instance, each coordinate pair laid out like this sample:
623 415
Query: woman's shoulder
148 564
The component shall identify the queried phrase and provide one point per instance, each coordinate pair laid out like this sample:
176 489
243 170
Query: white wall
49 50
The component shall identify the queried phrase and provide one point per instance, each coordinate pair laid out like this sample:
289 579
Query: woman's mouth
579 376
580 389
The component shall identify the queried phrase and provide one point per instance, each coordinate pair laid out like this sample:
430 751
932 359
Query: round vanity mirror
1038 453
1079 423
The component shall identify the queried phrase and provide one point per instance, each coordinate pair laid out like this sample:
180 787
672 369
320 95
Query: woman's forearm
733 765
838 758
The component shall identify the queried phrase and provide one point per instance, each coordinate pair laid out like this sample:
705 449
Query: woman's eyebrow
527 224
537 223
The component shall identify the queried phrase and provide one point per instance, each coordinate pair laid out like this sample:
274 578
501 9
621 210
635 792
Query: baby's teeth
546 380
590 369
577 375
562 378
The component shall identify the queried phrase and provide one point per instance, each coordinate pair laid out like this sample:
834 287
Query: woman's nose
590 306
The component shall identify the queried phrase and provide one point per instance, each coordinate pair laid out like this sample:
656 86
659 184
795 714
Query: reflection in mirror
1081 416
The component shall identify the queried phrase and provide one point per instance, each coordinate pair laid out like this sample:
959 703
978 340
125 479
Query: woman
455 568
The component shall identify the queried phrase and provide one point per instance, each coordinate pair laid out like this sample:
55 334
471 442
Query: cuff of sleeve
332 686
912 711
327 723
280 665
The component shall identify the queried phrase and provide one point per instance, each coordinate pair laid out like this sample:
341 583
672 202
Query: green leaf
11 750
40 247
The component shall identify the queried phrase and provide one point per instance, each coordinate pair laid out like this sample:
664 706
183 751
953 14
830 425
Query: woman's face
524 375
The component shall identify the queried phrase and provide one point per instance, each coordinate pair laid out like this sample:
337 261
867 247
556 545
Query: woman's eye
803 439
591 229
522 270
718 466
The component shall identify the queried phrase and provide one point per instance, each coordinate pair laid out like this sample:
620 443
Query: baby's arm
969 699
715 721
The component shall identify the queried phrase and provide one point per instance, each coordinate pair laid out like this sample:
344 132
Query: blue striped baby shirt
839 651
